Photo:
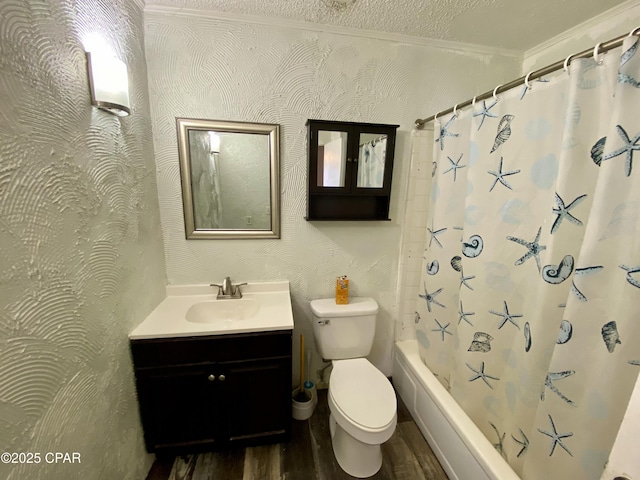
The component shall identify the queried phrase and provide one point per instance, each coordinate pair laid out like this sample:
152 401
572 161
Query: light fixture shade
214 142
109 84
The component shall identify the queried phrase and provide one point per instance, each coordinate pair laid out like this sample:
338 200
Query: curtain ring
473 102
495 90
595 54
526 80
635 31
566 63
455 110
435 117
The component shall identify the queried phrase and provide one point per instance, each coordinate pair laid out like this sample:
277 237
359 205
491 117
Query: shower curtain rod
599 48
377 139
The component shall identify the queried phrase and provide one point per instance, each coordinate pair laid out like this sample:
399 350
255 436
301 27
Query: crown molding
583 28
332 29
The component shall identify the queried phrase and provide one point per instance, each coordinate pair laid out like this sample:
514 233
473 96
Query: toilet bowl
361 399
363 415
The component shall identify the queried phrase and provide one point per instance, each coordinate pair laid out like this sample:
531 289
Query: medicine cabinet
350 169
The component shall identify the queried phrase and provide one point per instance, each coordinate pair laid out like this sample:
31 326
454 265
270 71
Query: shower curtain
530 306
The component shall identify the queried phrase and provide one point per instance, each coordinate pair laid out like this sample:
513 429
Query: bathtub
464 452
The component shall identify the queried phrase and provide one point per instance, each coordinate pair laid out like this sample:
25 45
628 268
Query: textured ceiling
511 24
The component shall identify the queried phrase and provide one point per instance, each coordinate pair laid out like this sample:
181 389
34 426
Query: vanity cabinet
216 391
350 170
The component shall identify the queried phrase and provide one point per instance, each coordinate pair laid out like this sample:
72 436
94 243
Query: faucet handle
216 285
236 289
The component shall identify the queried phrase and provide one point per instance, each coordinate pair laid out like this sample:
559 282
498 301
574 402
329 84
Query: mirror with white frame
230 179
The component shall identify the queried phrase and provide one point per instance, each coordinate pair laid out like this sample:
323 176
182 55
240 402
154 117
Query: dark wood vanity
216 391
350 170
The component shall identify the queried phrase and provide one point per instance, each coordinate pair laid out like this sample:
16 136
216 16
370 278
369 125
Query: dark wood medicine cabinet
350 169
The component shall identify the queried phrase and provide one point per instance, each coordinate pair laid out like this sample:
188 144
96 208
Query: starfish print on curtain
500 176
534 249
484 113
455 165
562 211
480 374
444 132
631 145
556 438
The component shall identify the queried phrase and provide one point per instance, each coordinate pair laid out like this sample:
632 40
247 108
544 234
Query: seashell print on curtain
530 307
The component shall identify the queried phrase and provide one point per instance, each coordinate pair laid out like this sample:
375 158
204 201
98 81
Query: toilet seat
362 400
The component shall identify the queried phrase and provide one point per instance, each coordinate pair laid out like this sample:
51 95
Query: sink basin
222 310
194 310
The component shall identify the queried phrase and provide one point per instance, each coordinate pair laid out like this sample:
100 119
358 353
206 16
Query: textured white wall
81 252
232 70
610 24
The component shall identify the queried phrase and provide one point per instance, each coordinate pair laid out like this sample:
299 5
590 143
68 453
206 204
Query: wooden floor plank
183 467
262 463
296 455
422 451
205 468
161 468
223 465
398 461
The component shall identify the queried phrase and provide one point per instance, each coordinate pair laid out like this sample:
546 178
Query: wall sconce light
214 142
109 83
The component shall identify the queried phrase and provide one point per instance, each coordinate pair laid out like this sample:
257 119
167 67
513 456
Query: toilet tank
344 331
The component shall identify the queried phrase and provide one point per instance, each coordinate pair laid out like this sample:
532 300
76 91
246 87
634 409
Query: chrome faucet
228 290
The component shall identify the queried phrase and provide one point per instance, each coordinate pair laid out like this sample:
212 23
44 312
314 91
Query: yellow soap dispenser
342 290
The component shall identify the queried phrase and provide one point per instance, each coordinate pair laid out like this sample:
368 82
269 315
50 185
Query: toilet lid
362 393
328 308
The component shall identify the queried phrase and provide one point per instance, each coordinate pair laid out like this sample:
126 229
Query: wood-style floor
308 455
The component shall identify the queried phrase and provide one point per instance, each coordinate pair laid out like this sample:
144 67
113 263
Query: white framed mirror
230 174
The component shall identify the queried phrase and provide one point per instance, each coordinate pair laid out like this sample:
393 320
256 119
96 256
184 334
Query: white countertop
168 318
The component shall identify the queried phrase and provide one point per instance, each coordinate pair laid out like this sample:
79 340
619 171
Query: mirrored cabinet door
332 158
372 154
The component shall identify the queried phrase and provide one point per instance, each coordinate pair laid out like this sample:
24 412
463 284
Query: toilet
361 399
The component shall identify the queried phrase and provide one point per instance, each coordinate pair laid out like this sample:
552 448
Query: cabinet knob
222 378
212 377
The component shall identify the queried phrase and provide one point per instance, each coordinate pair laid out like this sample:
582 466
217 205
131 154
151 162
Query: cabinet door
178 406
373 151
259 399
330 159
